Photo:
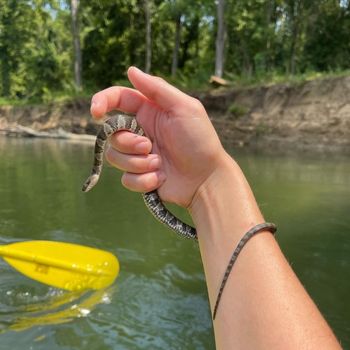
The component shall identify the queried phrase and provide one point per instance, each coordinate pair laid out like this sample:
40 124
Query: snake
151 199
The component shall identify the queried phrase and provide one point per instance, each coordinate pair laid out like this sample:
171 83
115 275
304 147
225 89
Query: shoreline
311 117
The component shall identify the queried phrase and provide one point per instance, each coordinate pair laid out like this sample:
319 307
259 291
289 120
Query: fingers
131 153
157 89
143 182
116 97
148 89
142 172
137 164
130 143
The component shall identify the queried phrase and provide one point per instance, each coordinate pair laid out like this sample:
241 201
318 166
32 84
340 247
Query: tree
40 40
14 36
34 53
148 58
176 11
76 44
270 25
323 50
295 8
220 39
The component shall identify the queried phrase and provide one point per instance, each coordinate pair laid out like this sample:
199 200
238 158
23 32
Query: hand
194 171
185 147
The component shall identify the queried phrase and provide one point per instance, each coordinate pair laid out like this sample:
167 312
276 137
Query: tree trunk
220 39
247 61
191 35
269 14
296 13
175 61
76 43
5 76
148 58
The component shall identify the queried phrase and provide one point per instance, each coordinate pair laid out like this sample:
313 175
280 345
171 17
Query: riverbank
309 116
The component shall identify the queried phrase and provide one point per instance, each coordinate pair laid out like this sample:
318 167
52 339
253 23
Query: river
159 300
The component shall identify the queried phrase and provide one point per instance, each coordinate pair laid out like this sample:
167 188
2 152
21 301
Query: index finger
158 90
116 97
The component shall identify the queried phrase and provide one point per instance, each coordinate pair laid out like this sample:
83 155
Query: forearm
263 304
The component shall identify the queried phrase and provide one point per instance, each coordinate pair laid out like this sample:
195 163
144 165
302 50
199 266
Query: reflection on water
25 303
159 301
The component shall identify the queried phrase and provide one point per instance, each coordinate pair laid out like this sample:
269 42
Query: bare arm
263 306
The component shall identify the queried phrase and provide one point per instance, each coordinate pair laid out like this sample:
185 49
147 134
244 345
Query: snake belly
152 200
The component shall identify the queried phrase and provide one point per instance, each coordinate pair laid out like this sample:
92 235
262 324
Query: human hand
185 147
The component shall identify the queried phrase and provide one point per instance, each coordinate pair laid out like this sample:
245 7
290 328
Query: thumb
157 90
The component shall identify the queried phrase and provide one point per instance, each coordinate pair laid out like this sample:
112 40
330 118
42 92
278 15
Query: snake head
90 182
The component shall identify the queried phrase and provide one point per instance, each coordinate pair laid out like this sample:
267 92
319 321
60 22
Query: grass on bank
278 78
198 83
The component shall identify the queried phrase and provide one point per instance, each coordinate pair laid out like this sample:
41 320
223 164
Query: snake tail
162 214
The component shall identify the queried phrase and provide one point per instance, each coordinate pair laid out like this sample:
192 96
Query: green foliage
266 41
328 46
33 48
113 39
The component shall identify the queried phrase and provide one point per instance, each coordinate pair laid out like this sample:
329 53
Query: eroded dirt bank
313 115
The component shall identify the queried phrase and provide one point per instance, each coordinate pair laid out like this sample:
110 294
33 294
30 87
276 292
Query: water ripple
25 303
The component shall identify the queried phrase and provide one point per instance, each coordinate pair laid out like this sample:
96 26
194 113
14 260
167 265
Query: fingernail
154 163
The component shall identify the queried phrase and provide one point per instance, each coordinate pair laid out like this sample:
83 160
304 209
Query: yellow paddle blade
63 265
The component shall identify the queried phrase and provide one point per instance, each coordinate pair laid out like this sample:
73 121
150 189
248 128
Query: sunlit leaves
262 37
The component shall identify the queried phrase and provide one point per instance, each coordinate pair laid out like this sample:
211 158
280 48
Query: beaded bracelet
266 226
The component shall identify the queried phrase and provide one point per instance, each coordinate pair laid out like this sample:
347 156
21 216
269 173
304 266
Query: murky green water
159 300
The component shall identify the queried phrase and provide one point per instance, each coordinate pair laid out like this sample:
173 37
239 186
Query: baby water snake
151 199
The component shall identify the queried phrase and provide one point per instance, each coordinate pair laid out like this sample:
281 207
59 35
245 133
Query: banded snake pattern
152 200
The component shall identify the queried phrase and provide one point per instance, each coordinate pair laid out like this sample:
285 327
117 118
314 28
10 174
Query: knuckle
135 164
197 105
139 182
160 79
109 154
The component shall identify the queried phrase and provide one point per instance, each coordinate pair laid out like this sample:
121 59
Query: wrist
224 201
223 210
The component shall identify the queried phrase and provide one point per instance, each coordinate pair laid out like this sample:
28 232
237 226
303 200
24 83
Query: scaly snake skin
151 199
